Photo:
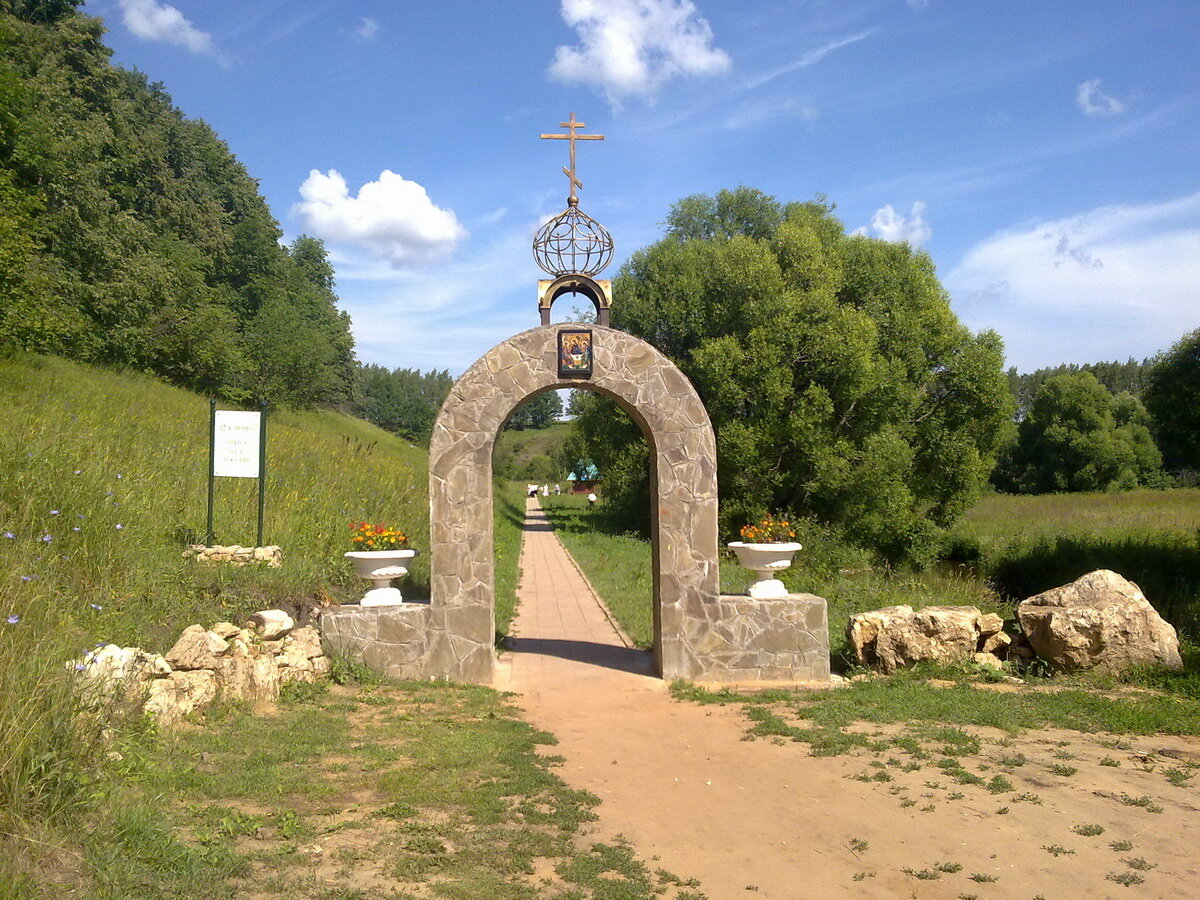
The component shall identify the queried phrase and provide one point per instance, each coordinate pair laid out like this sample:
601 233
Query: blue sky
1043 153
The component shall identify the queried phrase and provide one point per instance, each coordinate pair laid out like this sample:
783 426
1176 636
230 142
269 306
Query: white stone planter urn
380 567
765 560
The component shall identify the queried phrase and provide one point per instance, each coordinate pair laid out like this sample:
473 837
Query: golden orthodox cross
572 137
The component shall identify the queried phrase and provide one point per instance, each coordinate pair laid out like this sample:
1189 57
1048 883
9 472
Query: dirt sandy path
763 819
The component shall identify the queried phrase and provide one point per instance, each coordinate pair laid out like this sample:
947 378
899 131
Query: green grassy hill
103 480
532 453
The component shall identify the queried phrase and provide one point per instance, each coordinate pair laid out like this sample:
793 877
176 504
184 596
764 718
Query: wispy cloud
1120 280
367 28
1094 102
811 58
757 110
153 21
439 317
630 48
1004 169
392 218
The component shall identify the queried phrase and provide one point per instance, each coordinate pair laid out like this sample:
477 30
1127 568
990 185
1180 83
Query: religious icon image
575 353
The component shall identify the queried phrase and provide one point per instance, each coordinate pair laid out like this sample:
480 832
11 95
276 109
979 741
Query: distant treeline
406 402
1128 376
131 236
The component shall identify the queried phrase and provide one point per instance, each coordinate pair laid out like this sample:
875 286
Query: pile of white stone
1099 621
236 554
224 661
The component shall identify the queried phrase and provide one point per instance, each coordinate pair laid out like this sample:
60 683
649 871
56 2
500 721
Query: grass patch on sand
396 790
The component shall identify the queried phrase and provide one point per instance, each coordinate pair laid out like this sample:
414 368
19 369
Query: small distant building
584 480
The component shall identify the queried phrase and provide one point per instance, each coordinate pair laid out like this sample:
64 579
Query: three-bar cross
571 125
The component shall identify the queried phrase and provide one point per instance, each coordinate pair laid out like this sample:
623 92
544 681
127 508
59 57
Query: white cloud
392 218
153 21
367 29
918 5
1094 102
1115 282
631 47
891 226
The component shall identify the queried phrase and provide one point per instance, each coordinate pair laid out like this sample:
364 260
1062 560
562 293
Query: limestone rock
197 648
1101 620
997 644
271 624
225 630
309 640
122 671
173 697
896 637
247 678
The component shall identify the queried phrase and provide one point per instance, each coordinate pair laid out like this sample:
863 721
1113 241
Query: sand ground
763 818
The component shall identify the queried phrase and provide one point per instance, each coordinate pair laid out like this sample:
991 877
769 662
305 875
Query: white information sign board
235 444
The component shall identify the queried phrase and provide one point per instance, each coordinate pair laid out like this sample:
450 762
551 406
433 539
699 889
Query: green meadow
1007 548
103 480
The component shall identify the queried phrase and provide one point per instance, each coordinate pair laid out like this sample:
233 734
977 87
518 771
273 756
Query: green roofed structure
584 479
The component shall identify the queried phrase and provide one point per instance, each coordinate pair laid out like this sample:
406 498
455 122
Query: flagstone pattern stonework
698 634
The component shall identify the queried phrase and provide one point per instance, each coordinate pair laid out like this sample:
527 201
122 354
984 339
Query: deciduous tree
838 380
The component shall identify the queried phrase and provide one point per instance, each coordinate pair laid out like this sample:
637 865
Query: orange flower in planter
769 530
366 536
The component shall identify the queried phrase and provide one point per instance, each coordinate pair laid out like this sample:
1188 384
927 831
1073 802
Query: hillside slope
103 480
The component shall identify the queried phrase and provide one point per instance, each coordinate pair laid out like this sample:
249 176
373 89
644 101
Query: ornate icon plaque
575 353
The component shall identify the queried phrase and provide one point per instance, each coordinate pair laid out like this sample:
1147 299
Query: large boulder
1100 621
896 637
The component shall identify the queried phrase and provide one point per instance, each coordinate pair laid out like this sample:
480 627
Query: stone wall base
738 640
407 641
744 640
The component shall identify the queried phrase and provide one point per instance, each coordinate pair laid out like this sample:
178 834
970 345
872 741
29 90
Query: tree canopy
1078 436
838 380
1172 396
1129 376
130 235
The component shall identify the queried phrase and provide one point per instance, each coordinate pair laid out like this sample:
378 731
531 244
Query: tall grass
1025 545
102 483
619 568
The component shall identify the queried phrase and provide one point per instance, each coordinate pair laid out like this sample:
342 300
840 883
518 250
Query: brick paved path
563 633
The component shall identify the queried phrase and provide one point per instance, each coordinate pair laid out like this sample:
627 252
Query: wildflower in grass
14 619
27 578
10 535
119 526
118 476
46 538
79 471
54 512
97 607
75 528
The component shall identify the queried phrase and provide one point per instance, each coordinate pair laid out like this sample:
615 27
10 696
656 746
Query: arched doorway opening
651 390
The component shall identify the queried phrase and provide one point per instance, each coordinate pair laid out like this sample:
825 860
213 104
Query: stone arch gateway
699 634
683 476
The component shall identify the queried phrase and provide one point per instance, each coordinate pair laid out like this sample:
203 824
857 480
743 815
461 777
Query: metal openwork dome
573 243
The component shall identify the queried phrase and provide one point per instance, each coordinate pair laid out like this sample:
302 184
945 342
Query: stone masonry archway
683 477
698 633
